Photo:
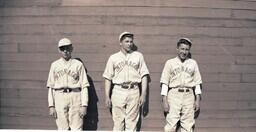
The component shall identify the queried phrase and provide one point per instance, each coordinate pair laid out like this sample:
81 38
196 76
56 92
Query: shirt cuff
198 89
106 76
50 98
164 90
84 96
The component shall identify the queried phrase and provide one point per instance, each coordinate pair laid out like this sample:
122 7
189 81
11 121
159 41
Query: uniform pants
68 108
125 108
181 106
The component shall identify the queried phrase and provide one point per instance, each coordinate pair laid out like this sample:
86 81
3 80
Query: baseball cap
124 33
185 40
64 42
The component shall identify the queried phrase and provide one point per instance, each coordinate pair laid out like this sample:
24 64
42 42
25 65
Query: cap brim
64 45
123 34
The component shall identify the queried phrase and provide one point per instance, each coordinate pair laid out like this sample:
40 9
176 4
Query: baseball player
67 89
125 69
179 76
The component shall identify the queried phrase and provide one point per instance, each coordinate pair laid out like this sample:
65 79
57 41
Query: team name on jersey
120 66
178 70
68 72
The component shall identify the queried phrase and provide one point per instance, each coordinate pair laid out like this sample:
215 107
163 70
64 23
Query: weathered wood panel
223 34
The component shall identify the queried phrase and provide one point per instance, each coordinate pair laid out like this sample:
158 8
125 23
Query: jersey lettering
120 66
68 72
180 70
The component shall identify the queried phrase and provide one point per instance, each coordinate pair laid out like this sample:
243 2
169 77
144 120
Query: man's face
183 51
127 44
66 51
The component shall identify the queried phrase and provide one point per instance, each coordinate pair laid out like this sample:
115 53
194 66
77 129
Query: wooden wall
224 44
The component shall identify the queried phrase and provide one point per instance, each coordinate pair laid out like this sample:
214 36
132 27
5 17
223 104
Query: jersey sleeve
143 67
50 98
197 76
198 89
164 90
165 77
50 80
84 97
109 70
83 78
84 85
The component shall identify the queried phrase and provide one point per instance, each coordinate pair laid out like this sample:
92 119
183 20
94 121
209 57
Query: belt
68 90
183 90
128 85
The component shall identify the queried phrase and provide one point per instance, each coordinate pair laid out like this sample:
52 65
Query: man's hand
197 105
108 102
142 100
52 112
83 111
165 104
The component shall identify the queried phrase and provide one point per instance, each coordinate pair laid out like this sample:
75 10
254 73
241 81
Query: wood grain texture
223 34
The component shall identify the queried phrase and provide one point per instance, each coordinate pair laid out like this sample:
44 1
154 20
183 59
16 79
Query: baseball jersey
69 74
122 68
178 74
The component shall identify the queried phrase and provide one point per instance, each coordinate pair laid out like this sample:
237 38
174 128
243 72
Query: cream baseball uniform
69 74
125 69
180 78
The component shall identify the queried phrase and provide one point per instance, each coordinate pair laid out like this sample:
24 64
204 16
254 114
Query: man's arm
52 111
107 93
198 93
164 92
84 100
144 86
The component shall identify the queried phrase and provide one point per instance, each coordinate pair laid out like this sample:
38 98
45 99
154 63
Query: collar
177 58
122 53
64 61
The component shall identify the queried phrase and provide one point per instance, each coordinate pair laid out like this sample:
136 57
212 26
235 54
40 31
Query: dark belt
128 85
68 90
183 90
